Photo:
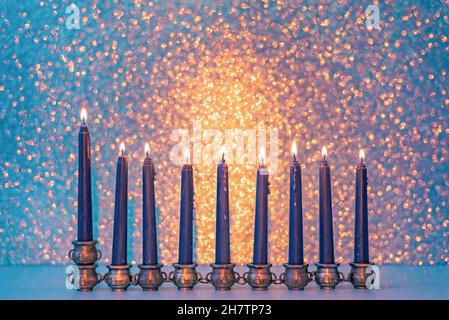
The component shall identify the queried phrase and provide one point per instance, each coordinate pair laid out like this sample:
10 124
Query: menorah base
151 277
185 276
296 276
357 275
119 277
259 276
85 255
222 276
327 276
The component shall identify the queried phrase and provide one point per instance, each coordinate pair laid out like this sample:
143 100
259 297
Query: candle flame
362 155
324 152
222 152
262 154
122 148
83 115
294 150
187 155
147 149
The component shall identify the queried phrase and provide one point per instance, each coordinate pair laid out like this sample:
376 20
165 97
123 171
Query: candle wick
222 156
294 157
84 122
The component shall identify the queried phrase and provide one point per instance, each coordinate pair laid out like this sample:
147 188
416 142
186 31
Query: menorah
223 276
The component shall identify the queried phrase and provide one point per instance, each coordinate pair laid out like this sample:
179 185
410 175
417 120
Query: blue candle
85 232
149 212
119 244
222 241
185 254
326 230
295 252
361 245
260 253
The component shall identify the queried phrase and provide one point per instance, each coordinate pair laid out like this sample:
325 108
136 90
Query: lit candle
149 211
260 254
85 232
326 230
222 244
187 207
361 245
119 245
295 253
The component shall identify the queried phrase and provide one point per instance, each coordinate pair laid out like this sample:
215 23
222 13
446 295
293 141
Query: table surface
397 282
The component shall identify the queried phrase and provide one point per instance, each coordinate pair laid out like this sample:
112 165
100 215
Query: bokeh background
310 69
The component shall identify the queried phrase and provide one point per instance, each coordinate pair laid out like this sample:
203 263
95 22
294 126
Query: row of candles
222 250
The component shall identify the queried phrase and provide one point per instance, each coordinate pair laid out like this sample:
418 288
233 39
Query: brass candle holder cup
223 276
85 255
185 276
327 276
296 276
259 276
151 277
358 274
88 277
119 278
84 252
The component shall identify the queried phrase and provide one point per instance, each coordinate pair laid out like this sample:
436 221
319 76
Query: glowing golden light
225 93
83 115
